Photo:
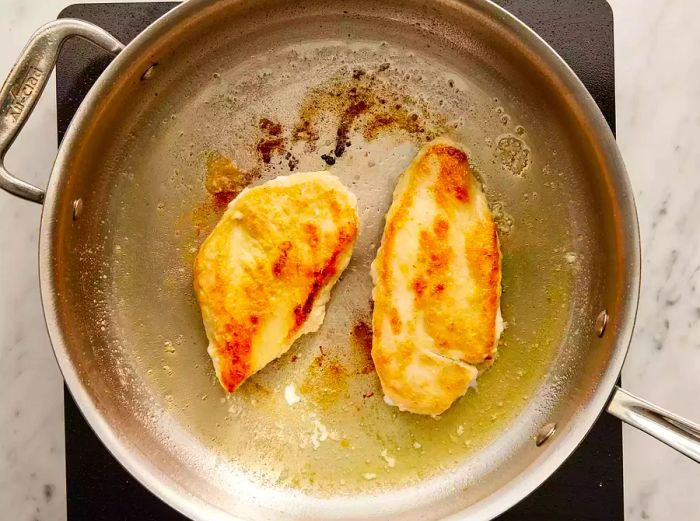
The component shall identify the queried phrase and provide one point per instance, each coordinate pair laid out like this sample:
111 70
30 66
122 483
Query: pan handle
26 82
674 431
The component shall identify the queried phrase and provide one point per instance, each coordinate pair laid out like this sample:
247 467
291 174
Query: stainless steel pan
126 207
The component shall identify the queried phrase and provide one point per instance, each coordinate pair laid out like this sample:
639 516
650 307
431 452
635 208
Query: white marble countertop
658 123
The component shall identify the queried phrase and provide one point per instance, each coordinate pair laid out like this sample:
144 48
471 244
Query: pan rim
554 454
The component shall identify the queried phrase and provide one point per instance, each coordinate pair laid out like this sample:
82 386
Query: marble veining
658 121
658 117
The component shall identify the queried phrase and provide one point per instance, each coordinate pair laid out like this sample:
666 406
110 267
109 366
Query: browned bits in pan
267 147
304 132
356 102
363 103
269 126
362 337
272 141
351 113
224 179
292 163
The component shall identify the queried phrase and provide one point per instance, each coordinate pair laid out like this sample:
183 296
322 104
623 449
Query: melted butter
342 431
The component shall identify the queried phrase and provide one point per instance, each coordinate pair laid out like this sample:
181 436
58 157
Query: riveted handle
676 432
26 82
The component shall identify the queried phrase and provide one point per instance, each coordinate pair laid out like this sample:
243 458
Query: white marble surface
658 115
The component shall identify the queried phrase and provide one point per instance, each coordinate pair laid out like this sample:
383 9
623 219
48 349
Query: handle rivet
601 322
545 433
77 208
148 73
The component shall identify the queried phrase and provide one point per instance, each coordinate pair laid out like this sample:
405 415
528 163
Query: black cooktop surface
588 487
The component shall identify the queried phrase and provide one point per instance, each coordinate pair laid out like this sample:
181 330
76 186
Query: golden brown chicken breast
264 275
437 284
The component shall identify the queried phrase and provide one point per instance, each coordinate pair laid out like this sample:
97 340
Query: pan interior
123 271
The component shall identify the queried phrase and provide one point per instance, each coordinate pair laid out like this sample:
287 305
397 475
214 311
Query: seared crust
437 281
264 275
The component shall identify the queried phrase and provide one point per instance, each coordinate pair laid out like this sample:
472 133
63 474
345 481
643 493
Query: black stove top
588 487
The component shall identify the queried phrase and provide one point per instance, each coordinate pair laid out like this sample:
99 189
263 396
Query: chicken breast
437 284
264 275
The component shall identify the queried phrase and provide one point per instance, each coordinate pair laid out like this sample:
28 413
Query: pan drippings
367 107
